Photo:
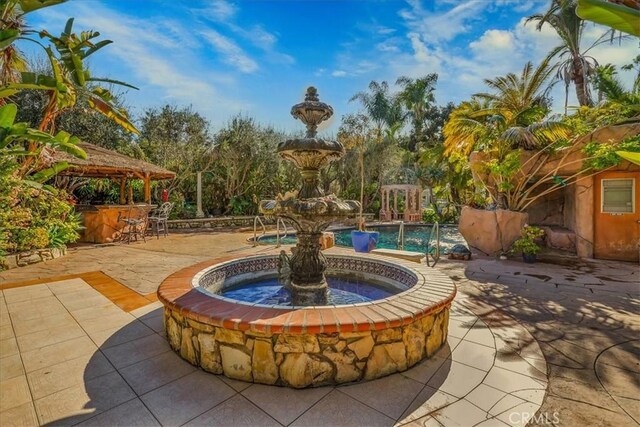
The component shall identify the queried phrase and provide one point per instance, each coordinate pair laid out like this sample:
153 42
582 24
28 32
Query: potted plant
527 245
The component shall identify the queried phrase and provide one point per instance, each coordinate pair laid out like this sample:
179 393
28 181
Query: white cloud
219 10
231 53
339 73
154 57
441 26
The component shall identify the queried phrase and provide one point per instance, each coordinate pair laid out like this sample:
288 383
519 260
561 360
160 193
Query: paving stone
23 415
284 404
456 379
75 404
427 401
475 355
460 413
57 353
10 367
186 398
391 395
341 410
49 336
130 414
485 397
156 371
14 392
134 351
237 411
52 379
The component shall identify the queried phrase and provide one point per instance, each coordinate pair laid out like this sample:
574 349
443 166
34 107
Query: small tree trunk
361 161
580 82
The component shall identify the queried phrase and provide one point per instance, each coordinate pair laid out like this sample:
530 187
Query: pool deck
82 341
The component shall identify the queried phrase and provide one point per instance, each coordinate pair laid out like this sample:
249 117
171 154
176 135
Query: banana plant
16 137
71 78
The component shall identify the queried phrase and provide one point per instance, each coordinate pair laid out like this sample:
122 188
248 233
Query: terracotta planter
491 232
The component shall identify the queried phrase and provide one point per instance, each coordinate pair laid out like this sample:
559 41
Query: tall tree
575 65
177 139
418 98
383 108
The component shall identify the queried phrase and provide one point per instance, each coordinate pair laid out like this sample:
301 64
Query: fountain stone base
306 346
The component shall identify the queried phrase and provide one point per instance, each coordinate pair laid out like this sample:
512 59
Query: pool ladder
400 242
433 251
257 220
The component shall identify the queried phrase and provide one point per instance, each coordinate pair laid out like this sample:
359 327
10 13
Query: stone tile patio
520 337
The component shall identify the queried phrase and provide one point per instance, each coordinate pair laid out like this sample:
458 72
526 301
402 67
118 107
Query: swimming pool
415 237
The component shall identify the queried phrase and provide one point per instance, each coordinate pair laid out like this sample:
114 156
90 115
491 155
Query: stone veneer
307 346
35 256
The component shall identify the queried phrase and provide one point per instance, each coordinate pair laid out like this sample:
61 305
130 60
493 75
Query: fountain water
311 211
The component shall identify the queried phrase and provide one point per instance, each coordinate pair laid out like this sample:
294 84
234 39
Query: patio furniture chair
158 219
135 224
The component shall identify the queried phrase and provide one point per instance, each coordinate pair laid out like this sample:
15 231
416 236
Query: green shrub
526 244
33 217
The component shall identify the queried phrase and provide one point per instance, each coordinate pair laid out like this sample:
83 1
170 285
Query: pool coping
432 293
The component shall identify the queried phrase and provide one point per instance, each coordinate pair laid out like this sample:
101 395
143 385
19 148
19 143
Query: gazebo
104 223
412 194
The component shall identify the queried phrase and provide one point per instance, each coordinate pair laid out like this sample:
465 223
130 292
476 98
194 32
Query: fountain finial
312 112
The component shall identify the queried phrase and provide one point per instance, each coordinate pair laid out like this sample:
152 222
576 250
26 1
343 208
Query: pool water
341 291
415 237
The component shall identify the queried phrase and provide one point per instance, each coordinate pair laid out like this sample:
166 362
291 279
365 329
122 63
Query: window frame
633 195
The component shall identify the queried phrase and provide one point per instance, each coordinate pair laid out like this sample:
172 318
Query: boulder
264 366
560 238
289 343
300 370
491 232
209 354
236 363
386 359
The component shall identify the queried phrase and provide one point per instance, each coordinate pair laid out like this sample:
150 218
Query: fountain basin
306 346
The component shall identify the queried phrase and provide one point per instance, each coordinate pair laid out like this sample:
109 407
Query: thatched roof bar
104 163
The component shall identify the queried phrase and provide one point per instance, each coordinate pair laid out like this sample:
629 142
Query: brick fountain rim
431 292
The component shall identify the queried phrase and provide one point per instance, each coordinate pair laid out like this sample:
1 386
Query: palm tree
417 97
512 116
574 63
500 122
382 108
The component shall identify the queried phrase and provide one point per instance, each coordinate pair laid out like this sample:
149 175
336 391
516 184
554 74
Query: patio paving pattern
526 344
93 363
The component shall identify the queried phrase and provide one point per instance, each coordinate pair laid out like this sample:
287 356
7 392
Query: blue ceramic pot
364 241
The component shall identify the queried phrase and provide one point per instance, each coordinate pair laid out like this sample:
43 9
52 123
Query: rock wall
305 360
32 257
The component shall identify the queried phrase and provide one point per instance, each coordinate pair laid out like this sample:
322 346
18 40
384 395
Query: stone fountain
311 211
373 317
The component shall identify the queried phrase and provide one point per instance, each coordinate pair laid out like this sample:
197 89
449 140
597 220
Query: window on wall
618 195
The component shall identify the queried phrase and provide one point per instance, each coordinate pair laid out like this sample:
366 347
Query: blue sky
257 57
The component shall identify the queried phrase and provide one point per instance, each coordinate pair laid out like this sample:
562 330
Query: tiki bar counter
106 223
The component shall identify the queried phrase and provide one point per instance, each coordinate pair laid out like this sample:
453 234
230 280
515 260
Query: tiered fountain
311 212
342 318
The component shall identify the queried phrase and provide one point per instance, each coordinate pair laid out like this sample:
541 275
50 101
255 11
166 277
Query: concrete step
395 253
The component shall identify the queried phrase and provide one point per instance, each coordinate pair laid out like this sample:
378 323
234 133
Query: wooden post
147 188
123 190
130 194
